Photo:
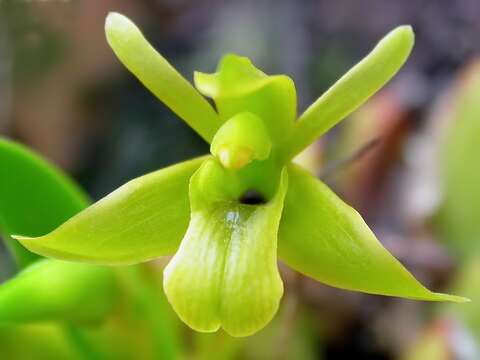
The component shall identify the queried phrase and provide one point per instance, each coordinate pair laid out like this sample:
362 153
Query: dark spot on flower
252 197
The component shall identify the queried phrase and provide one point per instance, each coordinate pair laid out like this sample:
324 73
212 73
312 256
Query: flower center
241 139
252 197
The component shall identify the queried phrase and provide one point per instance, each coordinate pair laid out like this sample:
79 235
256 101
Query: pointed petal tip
449 298
434 297
29 243
21 237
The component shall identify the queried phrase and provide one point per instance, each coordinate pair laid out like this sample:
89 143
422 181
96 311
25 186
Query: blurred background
408 160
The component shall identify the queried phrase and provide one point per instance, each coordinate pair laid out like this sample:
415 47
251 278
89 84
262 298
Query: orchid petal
324 238
353 88
143 219
151 68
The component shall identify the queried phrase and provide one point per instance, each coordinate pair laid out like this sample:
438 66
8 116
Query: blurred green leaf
467 282
217 346
149 309
36 341
34 197
138 56
324 238
142 220
55 290
293 334
459 220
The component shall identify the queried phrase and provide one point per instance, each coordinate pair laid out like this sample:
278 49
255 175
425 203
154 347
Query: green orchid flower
224 217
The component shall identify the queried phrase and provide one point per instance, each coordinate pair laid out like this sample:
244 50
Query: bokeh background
408 159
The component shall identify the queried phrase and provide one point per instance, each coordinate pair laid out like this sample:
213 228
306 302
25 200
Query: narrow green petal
35 196
324 238
52 290
225 272
238 86
144 219
138 56
353 88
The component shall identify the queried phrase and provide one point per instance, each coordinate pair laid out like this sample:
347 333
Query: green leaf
138 56
322 237
467 281
353 88
148 307
225 272
43 341
143 219
56 290
459 223
238 86
35 196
